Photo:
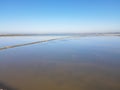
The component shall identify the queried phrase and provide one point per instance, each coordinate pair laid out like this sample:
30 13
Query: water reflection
31 43
10 41
89 63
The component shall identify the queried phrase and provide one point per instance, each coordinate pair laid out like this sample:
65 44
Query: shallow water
82 63
9 41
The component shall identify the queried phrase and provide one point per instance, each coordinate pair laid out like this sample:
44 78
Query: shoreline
67 34
43 41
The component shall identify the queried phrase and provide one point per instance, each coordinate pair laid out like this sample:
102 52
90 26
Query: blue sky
59 16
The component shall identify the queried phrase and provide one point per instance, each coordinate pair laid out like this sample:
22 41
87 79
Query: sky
59 16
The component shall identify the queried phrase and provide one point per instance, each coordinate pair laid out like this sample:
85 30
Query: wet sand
89 63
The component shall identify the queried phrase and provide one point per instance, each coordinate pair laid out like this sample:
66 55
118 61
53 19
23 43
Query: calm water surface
83 63
9 41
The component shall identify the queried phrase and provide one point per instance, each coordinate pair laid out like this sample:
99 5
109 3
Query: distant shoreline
65 34
68 36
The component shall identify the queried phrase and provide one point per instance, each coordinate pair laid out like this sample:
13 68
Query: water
81 63
9 41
